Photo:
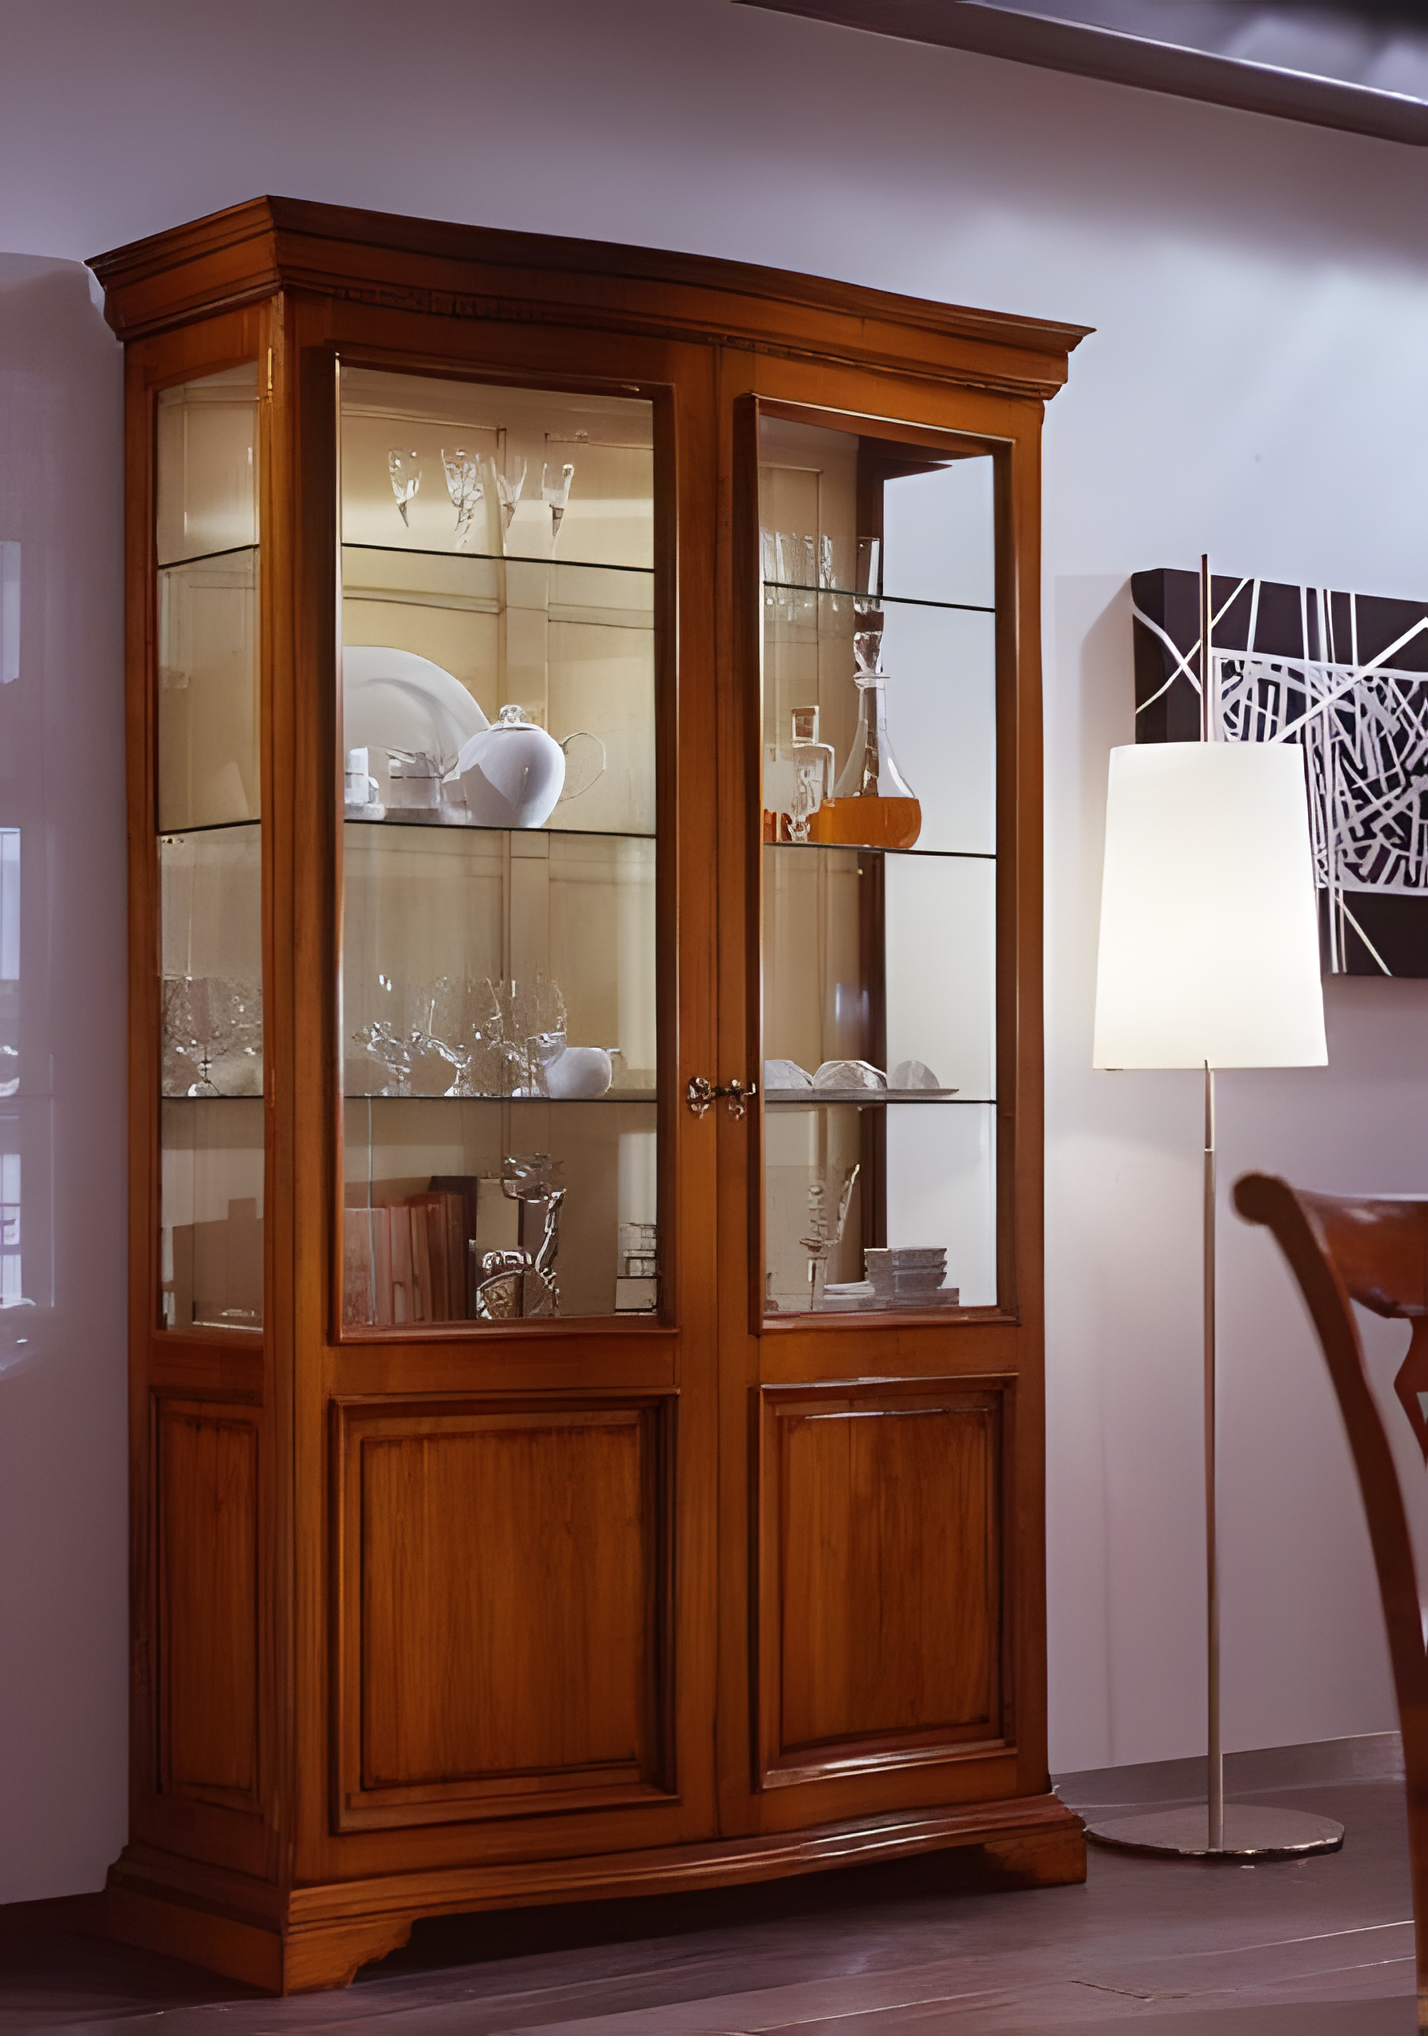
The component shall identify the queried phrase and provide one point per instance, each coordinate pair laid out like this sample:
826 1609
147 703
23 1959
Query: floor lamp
1209 958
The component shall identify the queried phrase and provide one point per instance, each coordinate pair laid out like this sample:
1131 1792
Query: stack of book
406 1261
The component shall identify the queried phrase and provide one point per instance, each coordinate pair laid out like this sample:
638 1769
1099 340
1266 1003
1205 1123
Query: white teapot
579 1071
512 773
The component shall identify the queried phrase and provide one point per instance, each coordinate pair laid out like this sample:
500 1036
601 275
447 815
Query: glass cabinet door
497 732
208 810
880 873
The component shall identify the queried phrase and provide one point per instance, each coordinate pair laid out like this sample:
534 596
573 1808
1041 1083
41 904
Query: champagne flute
509 484
555 492
404 469
465 487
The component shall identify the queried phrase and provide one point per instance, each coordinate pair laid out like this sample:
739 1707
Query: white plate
393 699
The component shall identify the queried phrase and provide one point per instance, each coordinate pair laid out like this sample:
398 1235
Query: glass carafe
873 806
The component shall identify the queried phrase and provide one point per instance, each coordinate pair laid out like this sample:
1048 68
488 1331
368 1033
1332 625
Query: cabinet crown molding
433 267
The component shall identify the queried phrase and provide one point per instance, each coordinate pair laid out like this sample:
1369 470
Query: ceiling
1363 67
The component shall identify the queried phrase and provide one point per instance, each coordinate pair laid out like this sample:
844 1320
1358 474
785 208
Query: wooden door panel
207 1465
504 1611
880 1587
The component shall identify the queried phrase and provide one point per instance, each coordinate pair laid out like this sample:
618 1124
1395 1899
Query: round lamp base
1250 1833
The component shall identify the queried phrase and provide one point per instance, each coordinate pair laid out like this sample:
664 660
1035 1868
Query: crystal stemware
392 1037
454 1027
405 471
526 1029
509 483
393 1052
555 492
465 487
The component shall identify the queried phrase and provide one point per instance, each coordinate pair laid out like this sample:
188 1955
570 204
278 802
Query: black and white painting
1345 675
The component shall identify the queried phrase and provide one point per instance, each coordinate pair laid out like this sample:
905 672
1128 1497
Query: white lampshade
1209 925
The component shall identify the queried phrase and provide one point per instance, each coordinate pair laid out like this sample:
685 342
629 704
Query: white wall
63 1568
1254 385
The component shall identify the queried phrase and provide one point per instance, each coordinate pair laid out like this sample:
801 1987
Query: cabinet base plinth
305 1938
266 1952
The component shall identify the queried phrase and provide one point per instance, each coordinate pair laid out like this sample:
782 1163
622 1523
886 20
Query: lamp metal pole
1215 1795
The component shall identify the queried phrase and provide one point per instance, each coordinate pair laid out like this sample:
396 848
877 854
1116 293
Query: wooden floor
1317 1948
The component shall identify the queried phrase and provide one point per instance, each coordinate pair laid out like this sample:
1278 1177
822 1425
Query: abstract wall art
1346 676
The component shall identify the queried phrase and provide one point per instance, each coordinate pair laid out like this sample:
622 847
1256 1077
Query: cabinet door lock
701 1093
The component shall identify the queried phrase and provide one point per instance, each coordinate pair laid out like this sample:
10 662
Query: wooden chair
1374 1250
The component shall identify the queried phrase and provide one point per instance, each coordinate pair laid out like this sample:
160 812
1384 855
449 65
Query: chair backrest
1374 1250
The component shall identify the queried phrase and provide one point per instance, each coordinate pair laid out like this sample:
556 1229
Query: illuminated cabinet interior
586 1311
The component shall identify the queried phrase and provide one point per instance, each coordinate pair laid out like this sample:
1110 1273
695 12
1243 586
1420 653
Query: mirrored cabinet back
586 1291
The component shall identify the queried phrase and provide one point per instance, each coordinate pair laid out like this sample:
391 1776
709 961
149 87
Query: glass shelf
858 1099
888 600
205 829
207 558
872 848
465 824
513 560
611 1095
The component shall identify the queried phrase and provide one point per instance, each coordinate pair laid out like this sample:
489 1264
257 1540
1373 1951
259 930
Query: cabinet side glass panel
211 1122
499 960
879 892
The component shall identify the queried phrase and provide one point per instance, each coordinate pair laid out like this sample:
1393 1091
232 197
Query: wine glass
555 493
465 487
405 471
455 1027
392 1038
526 1027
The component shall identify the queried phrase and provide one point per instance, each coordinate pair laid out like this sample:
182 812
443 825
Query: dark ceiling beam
1123 59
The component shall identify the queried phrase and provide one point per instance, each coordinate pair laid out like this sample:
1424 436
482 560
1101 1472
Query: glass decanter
873 806
797 780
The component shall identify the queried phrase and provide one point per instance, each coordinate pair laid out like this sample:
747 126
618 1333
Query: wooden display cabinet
586 855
